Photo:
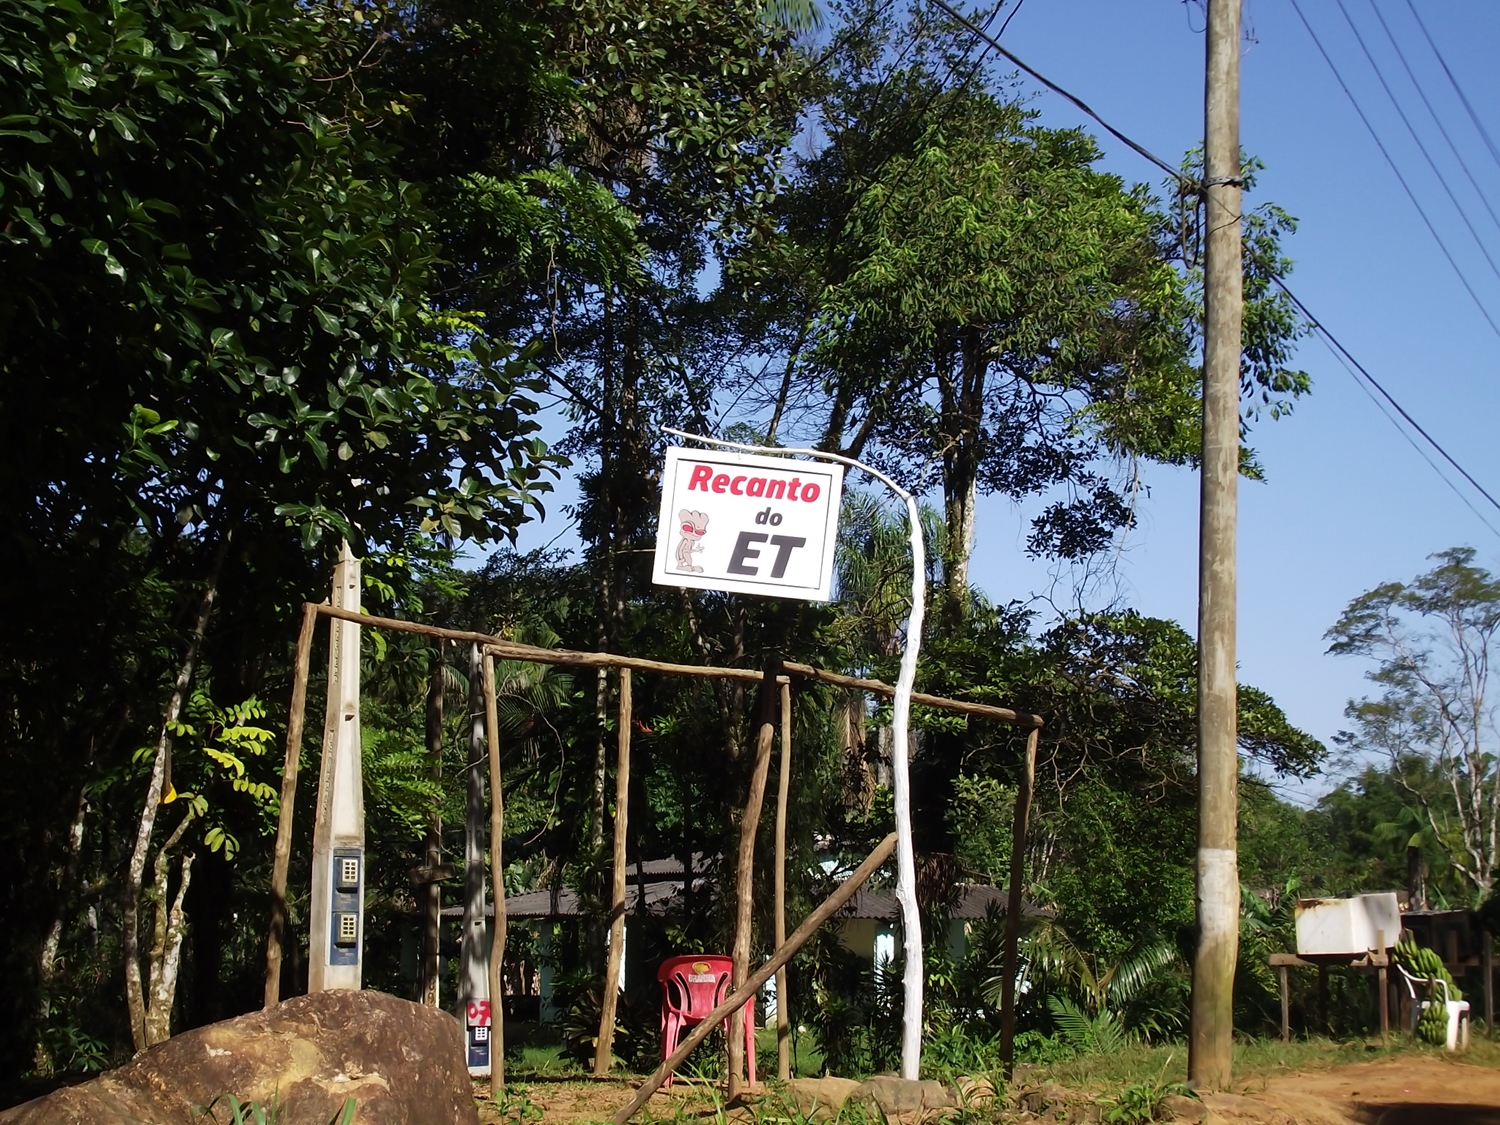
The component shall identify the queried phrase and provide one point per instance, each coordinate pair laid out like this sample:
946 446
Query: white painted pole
906 873
474 946
336 925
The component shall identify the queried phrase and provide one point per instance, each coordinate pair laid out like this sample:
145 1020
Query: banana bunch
1420 961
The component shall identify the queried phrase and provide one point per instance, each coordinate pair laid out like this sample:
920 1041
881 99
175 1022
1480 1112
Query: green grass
807 1059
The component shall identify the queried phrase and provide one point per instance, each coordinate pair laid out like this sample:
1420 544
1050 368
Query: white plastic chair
1457 1010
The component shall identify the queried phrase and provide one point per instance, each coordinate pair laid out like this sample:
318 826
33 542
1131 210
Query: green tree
955 290
1431 640
218 345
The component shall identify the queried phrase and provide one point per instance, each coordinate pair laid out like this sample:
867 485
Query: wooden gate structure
775 681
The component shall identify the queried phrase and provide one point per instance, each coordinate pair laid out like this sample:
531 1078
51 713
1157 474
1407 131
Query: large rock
820 1097
402 1063
901 1097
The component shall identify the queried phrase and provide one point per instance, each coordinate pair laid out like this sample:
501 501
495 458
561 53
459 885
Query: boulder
402 1063
901 1097
820 1097
1179 1107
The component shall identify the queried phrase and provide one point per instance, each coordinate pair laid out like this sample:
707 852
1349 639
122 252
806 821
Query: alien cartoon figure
693 526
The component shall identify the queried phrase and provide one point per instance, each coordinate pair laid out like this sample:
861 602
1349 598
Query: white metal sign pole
336 926
688 536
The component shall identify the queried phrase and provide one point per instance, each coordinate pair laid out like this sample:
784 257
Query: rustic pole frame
494 647
1013 906
605 1045
740 1021
289 770
497 880
783 793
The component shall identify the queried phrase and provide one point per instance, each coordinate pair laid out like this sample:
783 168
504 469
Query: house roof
971 903
664 897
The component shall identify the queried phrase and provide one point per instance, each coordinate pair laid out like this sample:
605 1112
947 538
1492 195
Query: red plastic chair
693 986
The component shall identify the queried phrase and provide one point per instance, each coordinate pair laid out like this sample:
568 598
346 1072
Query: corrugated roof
664 896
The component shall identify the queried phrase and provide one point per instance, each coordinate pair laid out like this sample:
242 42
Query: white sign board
748 524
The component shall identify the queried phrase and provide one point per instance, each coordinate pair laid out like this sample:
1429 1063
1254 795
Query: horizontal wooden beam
880 687
570 658
421 876
1329 960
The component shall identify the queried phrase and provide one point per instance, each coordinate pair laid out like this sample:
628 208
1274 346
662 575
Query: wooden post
289 769
1323 998
1385 1004
1211 1031
1009 962
1286 1004
744 885
783 790
736 999
604 1049
1487 965
497 882
432 894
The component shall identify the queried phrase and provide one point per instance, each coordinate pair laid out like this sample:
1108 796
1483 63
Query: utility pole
1211 1039
336 923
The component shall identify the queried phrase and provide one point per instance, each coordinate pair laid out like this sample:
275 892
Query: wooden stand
1378 963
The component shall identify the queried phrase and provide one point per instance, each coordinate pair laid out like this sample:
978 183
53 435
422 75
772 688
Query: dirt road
1405 1090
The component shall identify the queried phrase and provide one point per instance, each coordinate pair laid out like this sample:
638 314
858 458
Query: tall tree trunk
961 394
136 869
47 958
168 931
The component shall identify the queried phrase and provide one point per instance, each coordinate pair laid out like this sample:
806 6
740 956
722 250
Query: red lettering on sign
703 478
478 1012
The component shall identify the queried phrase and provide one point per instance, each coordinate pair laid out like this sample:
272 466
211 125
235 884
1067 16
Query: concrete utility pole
336 927
474 947
1211 1039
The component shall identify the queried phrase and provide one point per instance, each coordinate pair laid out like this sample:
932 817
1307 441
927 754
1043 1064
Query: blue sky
1347 502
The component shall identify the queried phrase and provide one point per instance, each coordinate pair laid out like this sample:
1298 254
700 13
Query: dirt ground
1406 1089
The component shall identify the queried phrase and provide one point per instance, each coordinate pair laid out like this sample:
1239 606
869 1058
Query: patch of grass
542 1060
807 1058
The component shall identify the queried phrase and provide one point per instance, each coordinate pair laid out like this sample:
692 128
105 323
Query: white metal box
1349 926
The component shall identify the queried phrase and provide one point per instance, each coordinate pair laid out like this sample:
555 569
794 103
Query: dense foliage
278 275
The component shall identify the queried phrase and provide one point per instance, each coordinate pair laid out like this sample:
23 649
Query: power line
1457 89
1437 120
1334 340
1344 354
1365 381
1056 89
1410 128
1463 280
